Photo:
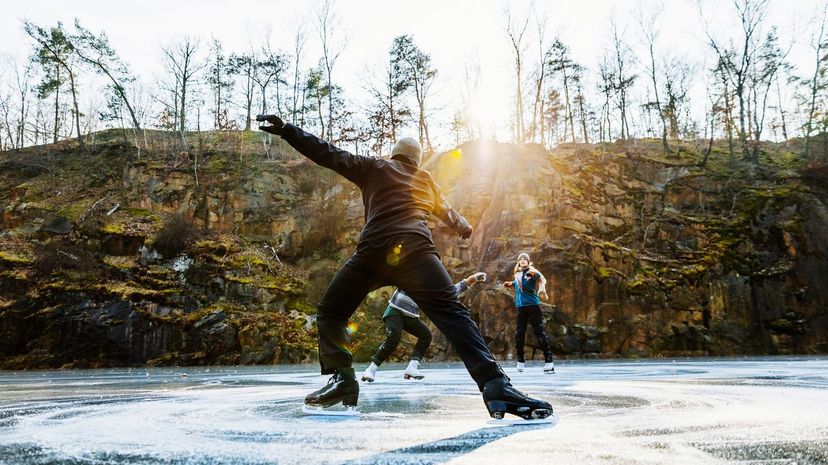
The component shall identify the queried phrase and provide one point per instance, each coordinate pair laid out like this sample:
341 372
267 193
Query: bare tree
6 137
221 84
328 26
267 69
648 27
737 62
544 52
299 40
463 126
624 79
710 117
817 81
770 59
183 61
676 81
723 81
515 30
605 86
17 101
781 100
242 65
388 111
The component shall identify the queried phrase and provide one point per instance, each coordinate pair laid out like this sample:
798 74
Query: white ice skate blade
493 423
320 411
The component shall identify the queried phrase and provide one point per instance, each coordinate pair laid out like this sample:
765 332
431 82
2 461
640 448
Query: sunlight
488 111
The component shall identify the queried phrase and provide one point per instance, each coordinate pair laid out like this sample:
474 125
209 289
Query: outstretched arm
464 284
353 167
449 215
540 283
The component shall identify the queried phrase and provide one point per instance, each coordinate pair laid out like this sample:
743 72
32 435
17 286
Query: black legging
421 275
531 314
394 326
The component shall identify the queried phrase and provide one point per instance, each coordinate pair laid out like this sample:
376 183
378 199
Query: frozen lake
747 411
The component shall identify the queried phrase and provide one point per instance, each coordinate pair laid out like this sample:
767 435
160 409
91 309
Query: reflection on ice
688 411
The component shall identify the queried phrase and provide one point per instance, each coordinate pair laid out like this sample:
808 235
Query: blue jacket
527 283
401 304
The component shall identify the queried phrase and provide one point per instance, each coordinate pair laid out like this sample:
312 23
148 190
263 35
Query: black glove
276 124
465 230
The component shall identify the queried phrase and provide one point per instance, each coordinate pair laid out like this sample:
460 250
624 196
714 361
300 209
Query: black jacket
398 196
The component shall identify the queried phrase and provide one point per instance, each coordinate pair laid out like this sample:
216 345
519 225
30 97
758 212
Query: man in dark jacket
396 248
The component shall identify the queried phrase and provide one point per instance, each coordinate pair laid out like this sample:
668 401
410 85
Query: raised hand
276 123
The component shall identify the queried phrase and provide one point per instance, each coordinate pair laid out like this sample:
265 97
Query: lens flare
351 328
393 257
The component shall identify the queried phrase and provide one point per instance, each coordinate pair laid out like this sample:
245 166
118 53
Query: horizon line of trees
751 88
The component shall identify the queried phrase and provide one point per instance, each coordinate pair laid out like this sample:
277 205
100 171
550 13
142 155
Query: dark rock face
644 257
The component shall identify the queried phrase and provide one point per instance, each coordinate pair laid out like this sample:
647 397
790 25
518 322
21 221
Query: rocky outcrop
645 255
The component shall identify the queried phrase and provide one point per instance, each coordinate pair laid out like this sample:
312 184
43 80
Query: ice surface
747 411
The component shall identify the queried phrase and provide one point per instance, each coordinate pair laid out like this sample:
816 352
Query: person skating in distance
395 248
530 286
402 314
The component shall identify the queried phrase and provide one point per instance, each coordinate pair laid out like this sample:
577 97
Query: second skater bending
403 314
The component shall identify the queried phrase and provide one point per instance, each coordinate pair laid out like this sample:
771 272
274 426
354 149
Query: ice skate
342 387
370 373
502 398
549 368
520 366
413 370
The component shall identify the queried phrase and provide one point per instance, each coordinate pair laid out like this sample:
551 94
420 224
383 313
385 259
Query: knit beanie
524 255
409 149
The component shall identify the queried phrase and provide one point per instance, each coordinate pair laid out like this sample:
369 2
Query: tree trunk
330 103
75 104
569 112
249 100
57 103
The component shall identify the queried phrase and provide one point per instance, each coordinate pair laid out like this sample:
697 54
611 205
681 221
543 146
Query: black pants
531 314
417 271
394 326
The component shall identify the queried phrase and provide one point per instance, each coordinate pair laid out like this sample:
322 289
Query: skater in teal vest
530 287
403 314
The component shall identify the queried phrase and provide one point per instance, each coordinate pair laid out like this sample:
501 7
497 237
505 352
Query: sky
453 32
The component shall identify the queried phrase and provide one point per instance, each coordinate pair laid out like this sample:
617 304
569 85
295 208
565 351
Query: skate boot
370 373
520 366
342 387
413 370
502 398
549 368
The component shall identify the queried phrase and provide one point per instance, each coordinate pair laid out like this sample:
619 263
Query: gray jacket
406 305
